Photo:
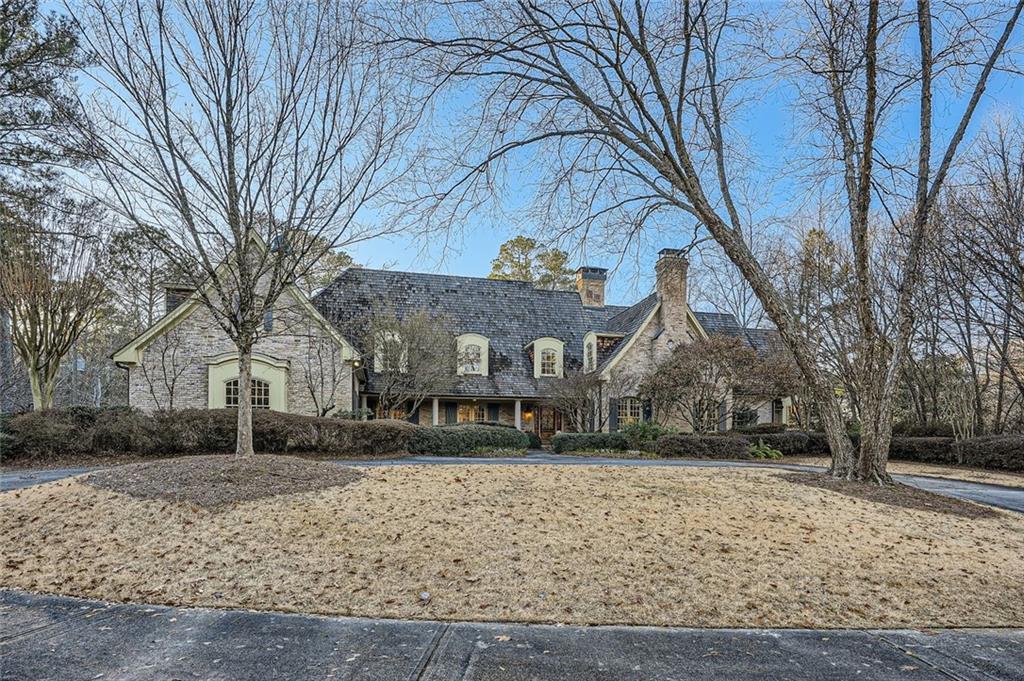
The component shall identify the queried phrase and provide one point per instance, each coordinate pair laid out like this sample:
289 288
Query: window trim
548 343
258 389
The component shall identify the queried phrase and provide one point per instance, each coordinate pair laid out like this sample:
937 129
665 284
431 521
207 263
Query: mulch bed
894 495
222 480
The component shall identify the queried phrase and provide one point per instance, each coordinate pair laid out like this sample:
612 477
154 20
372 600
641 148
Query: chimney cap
592 272
672 253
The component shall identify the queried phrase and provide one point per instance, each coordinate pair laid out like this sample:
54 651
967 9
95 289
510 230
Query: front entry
549 421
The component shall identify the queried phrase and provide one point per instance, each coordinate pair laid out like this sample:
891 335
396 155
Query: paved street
67 639
1009 498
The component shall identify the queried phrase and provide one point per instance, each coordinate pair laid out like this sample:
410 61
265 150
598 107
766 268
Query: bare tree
324 370
583 397
629 109
49 288
411 357
249 135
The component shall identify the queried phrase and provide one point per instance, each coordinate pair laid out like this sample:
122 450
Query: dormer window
471 359
473 350
548 358
548 362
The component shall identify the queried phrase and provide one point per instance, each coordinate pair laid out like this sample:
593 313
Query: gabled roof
725 324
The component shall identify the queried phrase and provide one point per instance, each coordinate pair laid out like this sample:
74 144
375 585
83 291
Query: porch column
519 414
435 411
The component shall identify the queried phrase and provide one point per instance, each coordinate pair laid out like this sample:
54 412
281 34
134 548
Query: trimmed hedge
790 443
1004 452
643 435
703 446
466 438
583 442
923 449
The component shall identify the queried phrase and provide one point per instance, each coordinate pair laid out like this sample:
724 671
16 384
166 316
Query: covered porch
528 415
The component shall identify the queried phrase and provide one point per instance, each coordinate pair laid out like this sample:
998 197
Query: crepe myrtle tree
242 139
632 112
411 357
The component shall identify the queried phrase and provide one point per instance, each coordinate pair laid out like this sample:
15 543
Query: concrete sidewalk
67 639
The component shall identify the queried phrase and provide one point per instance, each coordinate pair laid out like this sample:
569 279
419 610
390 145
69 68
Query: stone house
525 340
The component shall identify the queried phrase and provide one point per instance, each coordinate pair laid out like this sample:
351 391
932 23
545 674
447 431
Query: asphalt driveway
68 639
1009 498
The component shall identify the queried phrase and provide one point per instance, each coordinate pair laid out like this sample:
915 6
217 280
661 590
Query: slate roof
510 314
725 324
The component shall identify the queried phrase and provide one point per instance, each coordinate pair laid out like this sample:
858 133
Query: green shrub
535 442
913 429
643 435
923 449
465 438
51 433
1005 452
790 443
763 451
817 444
121 430
703 446
588 442
763 428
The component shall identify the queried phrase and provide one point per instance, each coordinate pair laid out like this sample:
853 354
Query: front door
549 422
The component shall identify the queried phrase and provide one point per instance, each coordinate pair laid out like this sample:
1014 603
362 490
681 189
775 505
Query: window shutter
268 319
722 417
493 411
613 415
414 417
648 411
451 412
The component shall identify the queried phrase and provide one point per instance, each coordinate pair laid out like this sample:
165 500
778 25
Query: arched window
471 358
260 394
548 362
591 360
630 411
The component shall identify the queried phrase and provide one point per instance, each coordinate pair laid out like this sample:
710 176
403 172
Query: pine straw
584 545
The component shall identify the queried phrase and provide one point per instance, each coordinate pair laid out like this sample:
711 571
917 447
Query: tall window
472 413
548 362
260 395
591 357
630 411
471 355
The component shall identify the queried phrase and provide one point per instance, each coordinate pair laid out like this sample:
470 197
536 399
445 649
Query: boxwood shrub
790 443
703 446
466 438
1004 452
923 449
588 442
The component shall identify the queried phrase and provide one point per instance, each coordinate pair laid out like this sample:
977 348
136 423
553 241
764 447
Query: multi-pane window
744 418
260 394
630 411
548 362
777 411
591 360
472 413
471 356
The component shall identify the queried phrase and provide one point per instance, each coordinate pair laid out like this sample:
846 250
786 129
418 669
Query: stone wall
176 362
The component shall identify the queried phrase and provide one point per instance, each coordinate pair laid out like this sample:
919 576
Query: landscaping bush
790 443
535 442
763 451
817 444
1004 452
762 429
923 449
123 429
644 435
914 429
588 442
50 433
465 438
196 431
703 446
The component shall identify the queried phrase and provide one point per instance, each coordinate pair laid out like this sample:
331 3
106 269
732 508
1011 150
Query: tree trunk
244 441
43 384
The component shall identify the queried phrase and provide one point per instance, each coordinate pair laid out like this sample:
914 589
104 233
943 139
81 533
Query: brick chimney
670 272
590 284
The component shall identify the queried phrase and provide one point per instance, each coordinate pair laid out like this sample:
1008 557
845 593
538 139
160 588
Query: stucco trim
485 350
224 367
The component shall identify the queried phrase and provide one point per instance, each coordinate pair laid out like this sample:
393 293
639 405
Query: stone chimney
175 295
590 284
670 272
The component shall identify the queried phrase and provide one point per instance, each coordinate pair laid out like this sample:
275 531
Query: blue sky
768 129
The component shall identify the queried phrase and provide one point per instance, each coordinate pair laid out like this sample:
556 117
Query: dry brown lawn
585 545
